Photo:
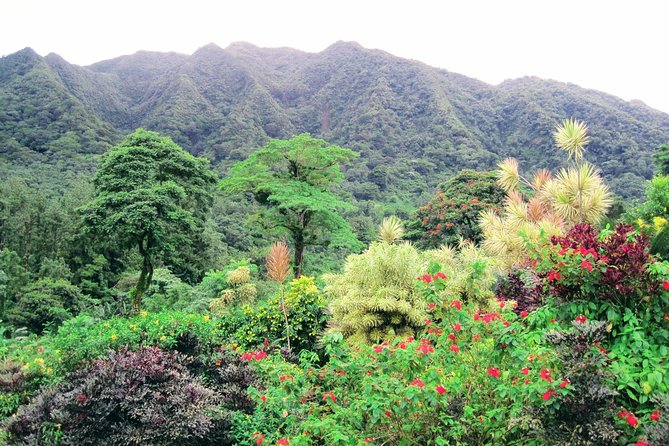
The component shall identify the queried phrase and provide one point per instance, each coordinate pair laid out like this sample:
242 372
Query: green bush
375 298
249 325
47 302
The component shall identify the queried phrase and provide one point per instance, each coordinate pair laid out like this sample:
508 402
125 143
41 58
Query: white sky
620 47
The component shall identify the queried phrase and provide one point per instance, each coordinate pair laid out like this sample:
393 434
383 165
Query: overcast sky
620 47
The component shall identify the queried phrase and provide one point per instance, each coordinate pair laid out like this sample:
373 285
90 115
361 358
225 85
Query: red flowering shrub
607 266
453 213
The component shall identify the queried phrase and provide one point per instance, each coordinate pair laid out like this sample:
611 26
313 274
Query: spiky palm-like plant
375 298
576 194
278 265
572 137
391 230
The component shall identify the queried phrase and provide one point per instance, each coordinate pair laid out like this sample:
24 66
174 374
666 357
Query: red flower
587 265
523 313
259 438
283 442
554 275
425 278
418 383
451 336
545 374
431 306
665 285
655 416
388 413
501 303
285 377
476 316
623 413
564 384
525 371
440 389
632 421
641 443
580 319
425 347
455 348
457 326
331 396
440 275
494 372
457 304
548 394
263 398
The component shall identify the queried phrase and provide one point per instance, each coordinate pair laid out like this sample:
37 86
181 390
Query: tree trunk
145 277
298 239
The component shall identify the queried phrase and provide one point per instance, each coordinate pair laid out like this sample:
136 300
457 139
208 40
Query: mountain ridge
412 123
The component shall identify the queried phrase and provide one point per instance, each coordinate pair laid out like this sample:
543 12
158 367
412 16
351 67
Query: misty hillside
414 125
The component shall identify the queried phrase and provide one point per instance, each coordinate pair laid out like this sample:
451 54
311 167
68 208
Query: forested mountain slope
414 125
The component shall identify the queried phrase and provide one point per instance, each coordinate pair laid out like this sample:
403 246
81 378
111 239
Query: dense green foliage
294 179
412 124
152 196
566 344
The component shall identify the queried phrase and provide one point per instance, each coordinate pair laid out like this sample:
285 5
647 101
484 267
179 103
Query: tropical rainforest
252 246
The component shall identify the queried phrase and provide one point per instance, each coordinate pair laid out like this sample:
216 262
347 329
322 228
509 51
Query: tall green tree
152 196
661 158
293 180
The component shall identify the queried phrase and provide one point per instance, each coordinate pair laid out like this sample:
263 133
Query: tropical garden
510 309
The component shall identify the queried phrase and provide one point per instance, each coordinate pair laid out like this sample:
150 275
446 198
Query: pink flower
457 304
632 420
457 326
655 416
440 389
641 443
580 319
431 306
494 372
564 384
418 383
455 348
586 265
525 371
283 442
665 285
523 313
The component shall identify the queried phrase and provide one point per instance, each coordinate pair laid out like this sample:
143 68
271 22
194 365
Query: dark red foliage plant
147 397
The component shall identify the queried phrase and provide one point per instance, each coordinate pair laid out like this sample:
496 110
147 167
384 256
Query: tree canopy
151 195
293 180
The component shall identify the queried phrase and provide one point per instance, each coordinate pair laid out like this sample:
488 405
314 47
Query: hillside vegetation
412 124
